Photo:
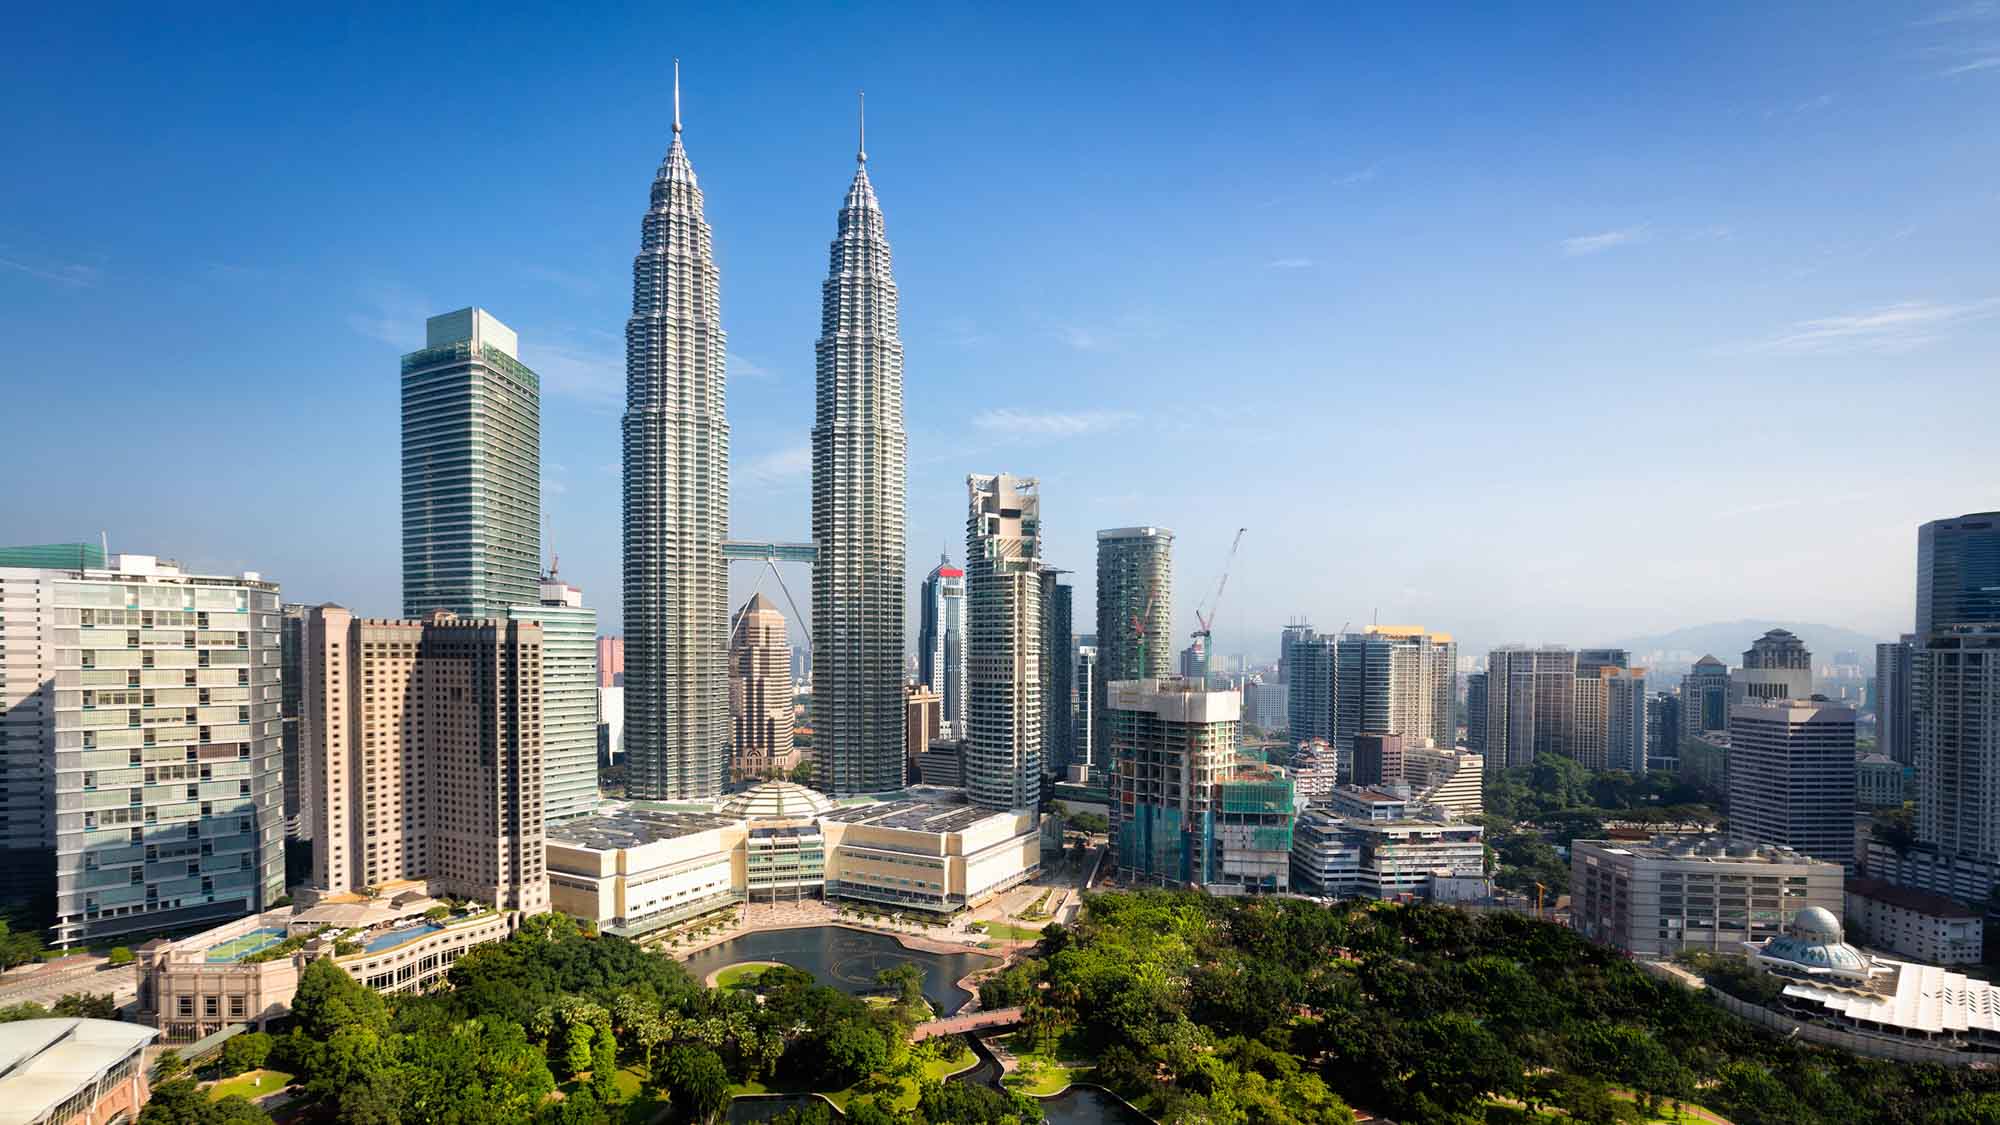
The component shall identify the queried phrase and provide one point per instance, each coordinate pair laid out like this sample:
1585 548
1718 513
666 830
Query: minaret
859 501
676 498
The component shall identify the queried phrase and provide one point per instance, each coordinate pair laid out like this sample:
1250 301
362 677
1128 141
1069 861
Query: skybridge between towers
771 554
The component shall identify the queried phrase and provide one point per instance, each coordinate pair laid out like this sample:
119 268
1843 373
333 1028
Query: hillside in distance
1726 640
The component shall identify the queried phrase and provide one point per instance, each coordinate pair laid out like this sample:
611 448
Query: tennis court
237 948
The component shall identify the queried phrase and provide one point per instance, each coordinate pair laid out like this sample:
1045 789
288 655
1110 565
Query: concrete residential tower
1004 636
860 497
472 470
676 498
1135 604
569 697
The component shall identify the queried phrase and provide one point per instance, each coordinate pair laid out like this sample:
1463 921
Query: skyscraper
1135 579
472 469
941 640
1705 697
1775 666
1312 699
1791 777
859 505
1530 704
760 692
28 718
1084 750
169 756
1958 572
569 697
1956 688
676 451
291 662
1290 635
1663 731
1396 680
1004 637
1475 712
1058 694
424 739
1895 729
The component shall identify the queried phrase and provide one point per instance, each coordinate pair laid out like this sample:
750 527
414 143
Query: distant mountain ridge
1726 640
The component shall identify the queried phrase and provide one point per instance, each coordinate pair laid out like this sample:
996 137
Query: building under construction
1185 811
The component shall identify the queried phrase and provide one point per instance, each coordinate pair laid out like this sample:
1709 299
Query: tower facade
860 498
1135 611
1791 777
1003 591
472 469
1958 572
1894 725
1777 665
941 640
760 692
1704 697
569 697
676 504
1058 687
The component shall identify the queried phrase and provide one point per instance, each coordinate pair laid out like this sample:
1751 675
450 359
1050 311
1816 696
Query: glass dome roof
777 800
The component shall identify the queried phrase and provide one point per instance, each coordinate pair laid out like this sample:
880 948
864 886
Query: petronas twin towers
676 438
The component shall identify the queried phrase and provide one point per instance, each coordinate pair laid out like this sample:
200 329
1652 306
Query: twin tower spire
676 501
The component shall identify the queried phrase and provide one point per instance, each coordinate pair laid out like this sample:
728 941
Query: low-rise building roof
47 1061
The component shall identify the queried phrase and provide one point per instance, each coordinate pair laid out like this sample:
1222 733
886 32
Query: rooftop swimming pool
237 948
394 938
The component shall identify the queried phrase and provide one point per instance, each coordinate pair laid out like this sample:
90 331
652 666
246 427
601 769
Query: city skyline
1734 277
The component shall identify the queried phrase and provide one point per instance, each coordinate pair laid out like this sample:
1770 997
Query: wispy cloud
1807 105
74 275
393 314
1137 325
1051 423
1358 176
1964 13
1889 328
780 466
1963 55
1986 63
561 279
1291 263
578 371
740 365
1598 243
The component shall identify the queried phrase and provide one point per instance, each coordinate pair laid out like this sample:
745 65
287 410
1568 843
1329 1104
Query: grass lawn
741 976
1039 1074
1007 932
248 1084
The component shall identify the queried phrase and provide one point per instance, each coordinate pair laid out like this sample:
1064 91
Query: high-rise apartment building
472 470
1289 636
1084 751
1617 729
1589 740
424 739
1663 731
1475 712
569 697
1004 638
610 661
1135 580
291 664
28 717
1312 699
1956 688
1775 666
1958 572
1396 680
760 693
169 761
676 496
1791 777
1895 717
1705 697
941 638
1058 690
1530 704
860 498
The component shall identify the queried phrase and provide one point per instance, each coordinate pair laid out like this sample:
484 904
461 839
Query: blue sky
1538 324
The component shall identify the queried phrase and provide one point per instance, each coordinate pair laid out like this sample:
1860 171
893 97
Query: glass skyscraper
941 640
1135 604
1958 572
569 698
472 470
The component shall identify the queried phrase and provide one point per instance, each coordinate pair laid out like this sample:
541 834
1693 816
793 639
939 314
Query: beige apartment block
424 740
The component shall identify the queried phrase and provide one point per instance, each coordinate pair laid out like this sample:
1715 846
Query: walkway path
970 1022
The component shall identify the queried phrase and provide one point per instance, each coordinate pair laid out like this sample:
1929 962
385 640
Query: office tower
676 437
1194 660
1085 751
1955 679
569 697
1395 680
1003 595
1135 578
1378 759
1775 666
472 470
1611 718
424 739
168 751
28 719
292 673
1589 660
1791 777
610 661
923 724
1181 806
1590 723
1530 704
1663 731
53 556
1289 636
611 725
760 693
1312 696
1475 712
1958 572
1705 697
941 638
859 504
1264 705
1895 725
1057 689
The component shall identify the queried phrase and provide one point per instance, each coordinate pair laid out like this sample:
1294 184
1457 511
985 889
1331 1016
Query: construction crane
1139 631
1203 620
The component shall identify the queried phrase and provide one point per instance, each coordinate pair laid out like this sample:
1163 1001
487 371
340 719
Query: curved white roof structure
44 1063
777 800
